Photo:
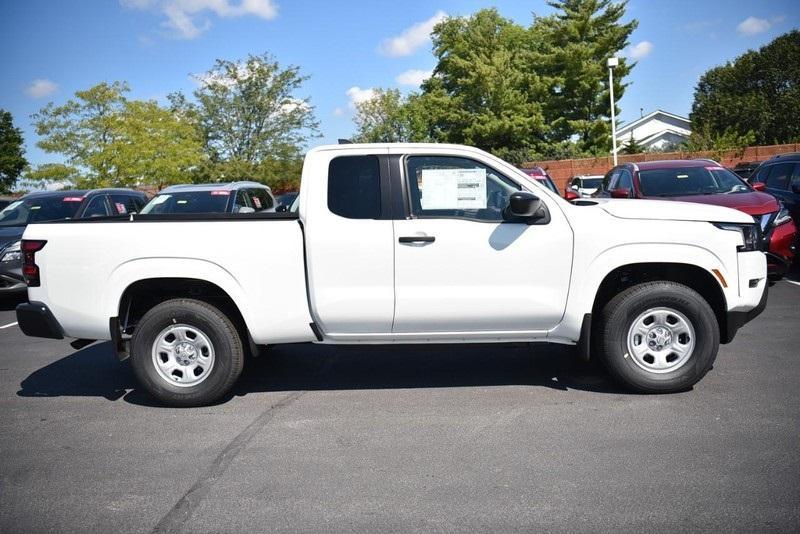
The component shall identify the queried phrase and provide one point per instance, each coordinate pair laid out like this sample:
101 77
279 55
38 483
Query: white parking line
792 282
8 325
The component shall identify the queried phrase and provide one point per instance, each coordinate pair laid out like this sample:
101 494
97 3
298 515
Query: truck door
349 242
459 267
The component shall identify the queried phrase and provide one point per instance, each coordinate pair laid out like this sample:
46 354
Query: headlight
783 216
749 233
12 253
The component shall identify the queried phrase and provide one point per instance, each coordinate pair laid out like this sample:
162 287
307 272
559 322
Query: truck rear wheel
186 353
658 337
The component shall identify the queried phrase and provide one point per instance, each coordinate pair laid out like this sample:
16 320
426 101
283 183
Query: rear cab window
354 187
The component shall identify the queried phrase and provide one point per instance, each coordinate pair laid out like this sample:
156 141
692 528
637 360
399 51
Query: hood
668 210
752 203
9 234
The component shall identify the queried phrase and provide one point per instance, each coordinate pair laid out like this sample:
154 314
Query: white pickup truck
401 243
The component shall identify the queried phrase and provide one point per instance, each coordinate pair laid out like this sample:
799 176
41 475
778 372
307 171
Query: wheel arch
696 278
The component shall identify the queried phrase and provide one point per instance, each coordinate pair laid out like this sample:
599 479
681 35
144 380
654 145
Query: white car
586 186
401 243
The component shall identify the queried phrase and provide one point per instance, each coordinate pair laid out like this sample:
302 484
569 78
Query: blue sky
50 49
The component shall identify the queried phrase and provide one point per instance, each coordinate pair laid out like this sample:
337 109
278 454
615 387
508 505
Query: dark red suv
706 182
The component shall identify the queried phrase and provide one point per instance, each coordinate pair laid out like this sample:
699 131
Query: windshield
189 202
686 181
591 183
51 208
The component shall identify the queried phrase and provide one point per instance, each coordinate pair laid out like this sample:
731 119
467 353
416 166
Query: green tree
578 41
249 111
632 146
253 124
153 145
758 92
12 152
82 130
486 90
384 118
110 141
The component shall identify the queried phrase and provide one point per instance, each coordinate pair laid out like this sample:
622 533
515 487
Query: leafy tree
152 145
579 39
758 92
384 118
12 152
82 130
108 140
485 90
522 93
253 126
248 111
704 138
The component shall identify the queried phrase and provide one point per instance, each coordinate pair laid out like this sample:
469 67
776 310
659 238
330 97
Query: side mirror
245 209
570 195
524 204
620 193
574 186
759 186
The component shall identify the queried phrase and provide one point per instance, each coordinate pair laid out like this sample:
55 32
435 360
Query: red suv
706 182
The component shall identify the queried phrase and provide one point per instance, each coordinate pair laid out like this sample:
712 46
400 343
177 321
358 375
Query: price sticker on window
447 189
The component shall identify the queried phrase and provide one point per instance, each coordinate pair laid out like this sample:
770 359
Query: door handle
417 239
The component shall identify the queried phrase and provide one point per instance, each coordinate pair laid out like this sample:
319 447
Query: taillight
29 268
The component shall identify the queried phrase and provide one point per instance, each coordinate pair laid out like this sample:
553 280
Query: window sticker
120 208
447 189
257 202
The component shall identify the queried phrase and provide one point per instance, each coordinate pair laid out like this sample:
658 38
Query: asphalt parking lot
429 438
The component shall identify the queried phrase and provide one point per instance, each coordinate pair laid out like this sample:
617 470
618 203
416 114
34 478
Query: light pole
612 62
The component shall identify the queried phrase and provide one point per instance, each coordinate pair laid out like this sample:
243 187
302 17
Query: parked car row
771 199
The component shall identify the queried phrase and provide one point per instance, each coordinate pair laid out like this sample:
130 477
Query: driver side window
454 187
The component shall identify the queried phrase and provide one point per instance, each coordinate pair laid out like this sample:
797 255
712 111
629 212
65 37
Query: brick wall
563 170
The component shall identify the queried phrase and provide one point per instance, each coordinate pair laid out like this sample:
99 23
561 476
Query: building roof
631 125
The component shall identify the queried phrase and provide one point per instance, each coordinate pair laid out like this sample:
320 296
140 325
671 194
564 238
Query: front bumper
36 320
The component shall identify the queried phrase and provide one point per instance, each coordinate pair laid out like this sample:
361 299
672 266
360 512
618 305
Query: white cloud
41 88
358 95
413 77
753 26
182 15
412 38
639 50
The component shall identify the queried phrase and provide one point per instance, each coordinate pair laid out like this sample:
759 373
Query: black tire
227 343
620 313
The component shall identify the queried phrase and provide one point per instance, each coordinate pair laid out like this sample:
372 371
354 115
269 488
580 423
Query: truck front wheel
658 337
186 352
